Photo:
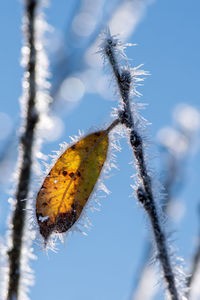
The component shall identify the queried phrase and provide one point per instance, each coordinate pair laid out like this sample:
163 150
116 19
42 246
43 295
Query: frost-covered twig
195 266
195 263
146 270
26 148
144 191
176 144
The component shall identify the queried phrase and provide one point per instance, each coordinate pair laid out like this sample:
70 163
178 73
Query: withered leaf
67 187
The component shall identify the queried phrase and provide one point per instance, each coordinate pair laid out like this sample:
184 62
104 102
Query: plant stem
195 266
26 148
144 193
195 263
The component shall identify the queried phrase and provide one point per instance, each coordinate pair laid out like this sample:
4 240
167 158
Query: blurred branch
26 145
73 60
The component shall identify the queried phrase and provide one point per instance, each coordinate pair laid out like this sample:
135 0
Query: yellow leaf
67 187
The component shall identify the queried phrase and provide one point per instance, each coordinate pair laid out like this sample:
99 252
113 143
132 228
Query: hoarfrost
42 219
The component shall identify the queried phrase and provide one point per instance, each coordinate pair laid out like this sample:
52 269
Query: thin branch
26 145
195 263
168 184
144 192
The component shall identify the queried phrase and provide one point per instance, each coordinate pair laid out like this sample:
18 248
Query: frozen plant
113 49
67 187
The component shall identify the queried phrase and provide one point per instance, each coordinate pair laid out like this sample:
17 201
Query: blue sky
103 265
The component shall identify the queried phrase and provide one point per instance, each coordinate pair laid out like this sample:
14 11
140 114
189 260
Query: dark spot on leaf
44 204
73 147
97 134
45 228
64 221
64 173
79 174
71 174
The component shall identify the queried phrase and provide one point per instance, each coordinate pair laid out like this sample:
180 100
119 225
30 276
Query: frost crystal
42 219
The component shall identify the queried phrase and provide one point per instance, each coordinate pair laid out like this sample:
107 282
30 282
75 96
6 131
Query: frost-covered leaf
67 187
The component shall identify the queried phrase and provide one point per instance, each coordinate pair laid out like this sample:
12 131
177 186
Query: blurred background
111 262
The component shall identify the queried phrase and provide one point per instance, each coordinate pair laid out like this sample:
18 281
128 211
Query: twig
144 192
195 263
168 184
26 145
